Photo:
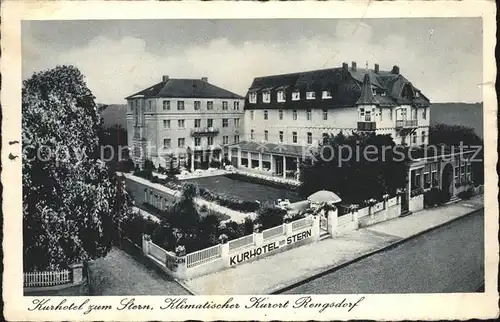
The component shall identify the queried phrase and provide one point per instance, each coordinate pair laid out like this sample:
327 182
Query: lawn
245 190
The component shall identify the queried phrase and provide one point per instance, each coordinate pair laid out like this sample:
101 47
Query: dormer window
252 97
383 94
281 96
417 94
266 97
326 95
296 96
311 95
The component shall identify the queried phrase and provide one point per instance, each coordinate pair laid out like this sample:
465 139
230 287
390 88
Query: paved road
119 273
448 259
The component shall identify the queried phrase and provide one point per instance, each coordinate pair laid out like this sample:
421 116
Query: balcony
204 131
406 124
367 126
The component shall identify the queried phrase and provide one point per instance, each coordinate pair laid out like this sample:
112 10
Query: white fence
203 256
378 207
273 232
244 241
41 279
301 223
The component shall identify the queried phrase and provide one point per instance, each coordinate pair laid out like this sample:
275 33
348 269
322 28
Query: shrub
467 194
136 225
233 230
164 237
434 197
154 179
126 166
270 217
215 164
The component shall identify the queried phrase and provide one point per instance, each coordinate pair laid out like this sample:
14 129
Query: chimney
376 68
345 66
165 78
205 79
395 70
353 66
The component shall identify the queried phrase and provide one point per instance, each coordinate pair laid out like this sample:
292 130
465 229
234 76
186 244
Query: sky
440 56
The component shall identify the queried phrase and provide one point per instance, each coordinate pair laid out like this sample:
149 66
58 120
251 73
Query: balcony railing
367 126
405 124
199 131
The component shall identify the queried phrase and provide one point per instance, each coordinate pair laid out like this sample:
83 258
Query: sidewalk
276 272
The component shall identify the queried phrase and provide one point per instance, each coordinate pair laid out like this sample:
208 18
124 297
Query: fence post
315 228
332 222
77 273
224 252
259 239
145 244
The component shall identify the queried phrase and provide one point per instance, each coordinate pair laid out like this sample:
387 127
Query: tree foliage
70 202
356 167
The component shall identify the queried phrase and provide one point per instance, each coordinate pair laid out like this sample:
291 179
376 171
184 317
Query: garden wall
416 203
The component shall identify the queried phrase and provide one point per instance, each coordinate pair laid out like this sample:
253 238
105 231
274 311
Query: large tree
70 202
357 167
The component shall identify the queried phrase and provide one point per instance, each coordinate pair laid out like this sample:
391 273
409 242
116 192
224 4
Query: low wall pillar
224 253
315 228
77 273
288 229
259 239
145 243
332 222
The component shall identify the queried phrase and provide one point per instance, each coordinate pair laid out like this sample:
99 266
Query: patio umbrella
324 196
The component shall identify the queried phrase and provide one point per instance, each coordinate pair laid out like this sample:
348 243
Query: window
368 116
326 95
252 134
266 135
251 115
424 113
210 140
280 114
266 97
225 122
210 122
265 115
210 105
150 104
427 180
424 137
295 115
166 105
166 124
197 123
181 124
252 97
380 113
180 105
296 96
294 137
197 141
325 114
167 143
311 95
197 105
236 138
361 113
383 93
236 122
309 138
281 96
309 114
414 138
224 105
390 113
181 142
225 139
281 136
236 105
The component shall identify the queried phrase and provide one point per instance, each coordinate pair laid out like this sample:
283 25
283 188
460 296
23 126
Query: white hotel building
292 112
